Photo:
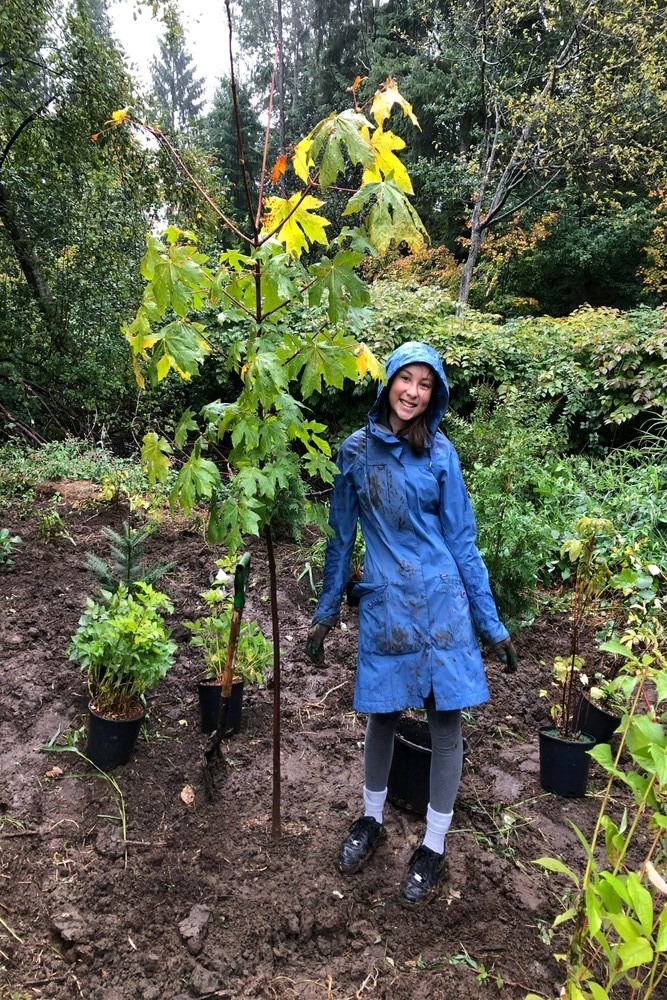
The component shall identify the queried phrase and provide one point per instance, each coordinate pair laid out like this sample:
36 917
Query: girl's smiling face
409 395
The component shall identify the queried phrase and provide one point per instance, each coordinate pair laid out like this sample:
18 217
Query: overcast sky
205 24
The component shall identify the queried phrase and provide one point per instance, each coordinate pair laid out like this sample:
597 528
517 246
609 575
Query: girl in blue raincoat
423 600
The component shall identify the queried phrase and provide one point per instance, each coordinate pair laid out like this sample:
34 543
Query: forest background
537 167
538 171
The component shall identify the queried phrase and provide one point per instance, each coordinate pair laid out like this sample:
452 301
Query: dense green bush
502 447
603 371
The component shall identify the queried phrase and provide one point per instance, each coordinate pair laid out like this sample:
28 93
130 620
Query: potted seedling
227 646
600 706
604 697
564 760
123 647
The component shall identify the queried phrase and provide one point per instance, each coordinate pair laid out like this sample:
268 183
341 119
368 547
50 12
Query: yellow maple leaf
118 117
368 364
293 222
385 98
386 164
302 160
140 380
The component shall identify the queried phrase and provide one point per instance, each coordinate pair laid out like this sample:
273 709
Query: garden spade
241 574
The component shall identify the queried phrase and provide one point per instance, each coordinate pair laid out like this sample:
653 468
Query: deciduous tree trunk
28 261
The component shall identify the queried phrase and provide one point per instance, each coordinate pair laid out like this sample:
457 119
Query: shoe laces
423 863
360 826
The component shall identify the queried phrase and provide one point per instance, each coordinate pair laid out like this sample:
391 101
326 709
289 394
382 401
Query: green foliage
127 564
219 136
22 469
210 635
502 447
601 370
573 250
8 544
51 525
626 488
290 510
177 91
587 552
123 647
72 214
314 560
618 911
265 437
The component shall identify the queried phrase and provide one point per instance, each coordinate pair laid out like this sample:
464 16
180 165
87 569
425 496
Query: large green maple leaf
177 279
320 360
391 218
178 346
198 478
327 141
345 288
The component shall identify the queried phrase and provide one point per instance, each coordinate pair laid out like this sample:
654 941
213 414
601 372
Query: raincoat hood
414 352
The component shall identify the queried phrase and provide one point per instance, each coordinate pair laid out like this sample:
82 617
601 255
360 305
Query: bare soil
201 899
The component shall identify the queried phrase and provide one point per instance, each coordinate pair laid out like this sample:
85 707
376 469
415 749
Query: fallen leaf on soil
188 795
657 880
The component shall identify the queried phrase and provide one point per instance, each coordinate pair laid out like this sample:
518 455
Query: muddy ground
202 900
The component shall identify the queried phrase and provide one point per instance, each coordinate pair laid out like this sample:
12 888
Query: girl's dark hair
418 433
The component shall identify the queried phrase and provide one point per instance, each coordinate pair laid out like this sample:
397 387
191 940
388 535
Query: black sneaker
364 836
424 875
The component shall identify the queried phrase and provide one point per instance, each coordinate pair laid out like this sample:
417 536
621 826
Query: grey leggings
446 754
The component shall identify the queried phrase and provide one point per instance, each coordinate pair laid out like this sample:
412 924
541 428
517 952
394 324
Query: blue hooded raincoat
425 589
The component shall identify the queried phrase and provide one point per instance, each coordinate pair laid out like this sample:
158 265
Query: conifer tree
219 136
178 92
127 564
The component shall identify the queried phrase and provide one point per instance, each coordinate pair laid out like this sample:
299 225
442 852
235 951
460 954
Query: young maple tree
266 435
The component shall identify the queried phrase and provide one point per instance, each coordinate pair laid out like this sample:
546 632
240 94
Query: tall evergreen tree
220 138
323 48
178 92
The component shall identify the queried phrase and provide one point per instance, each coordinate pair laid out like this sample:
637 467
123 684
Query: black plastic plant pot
409 778
564 763
596 721
209 707
111 742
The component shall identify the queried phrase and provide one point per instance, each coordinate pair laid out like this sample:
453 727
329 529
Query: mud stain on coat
395 643
374 493
443 638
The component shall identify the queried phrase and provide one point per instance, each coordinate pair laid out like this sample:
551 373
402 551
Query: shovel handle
241 574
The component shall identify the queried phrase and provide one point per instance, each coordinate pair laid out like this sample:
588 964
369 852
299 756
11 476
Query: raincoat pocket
453 627
385 627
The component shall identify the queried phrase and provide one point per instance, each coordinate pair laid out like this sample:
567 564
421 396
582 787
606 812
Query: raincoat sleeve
460 533
343 516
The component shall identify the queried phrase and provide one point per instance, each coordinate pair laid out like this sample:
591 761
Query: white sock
437 825
374 803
